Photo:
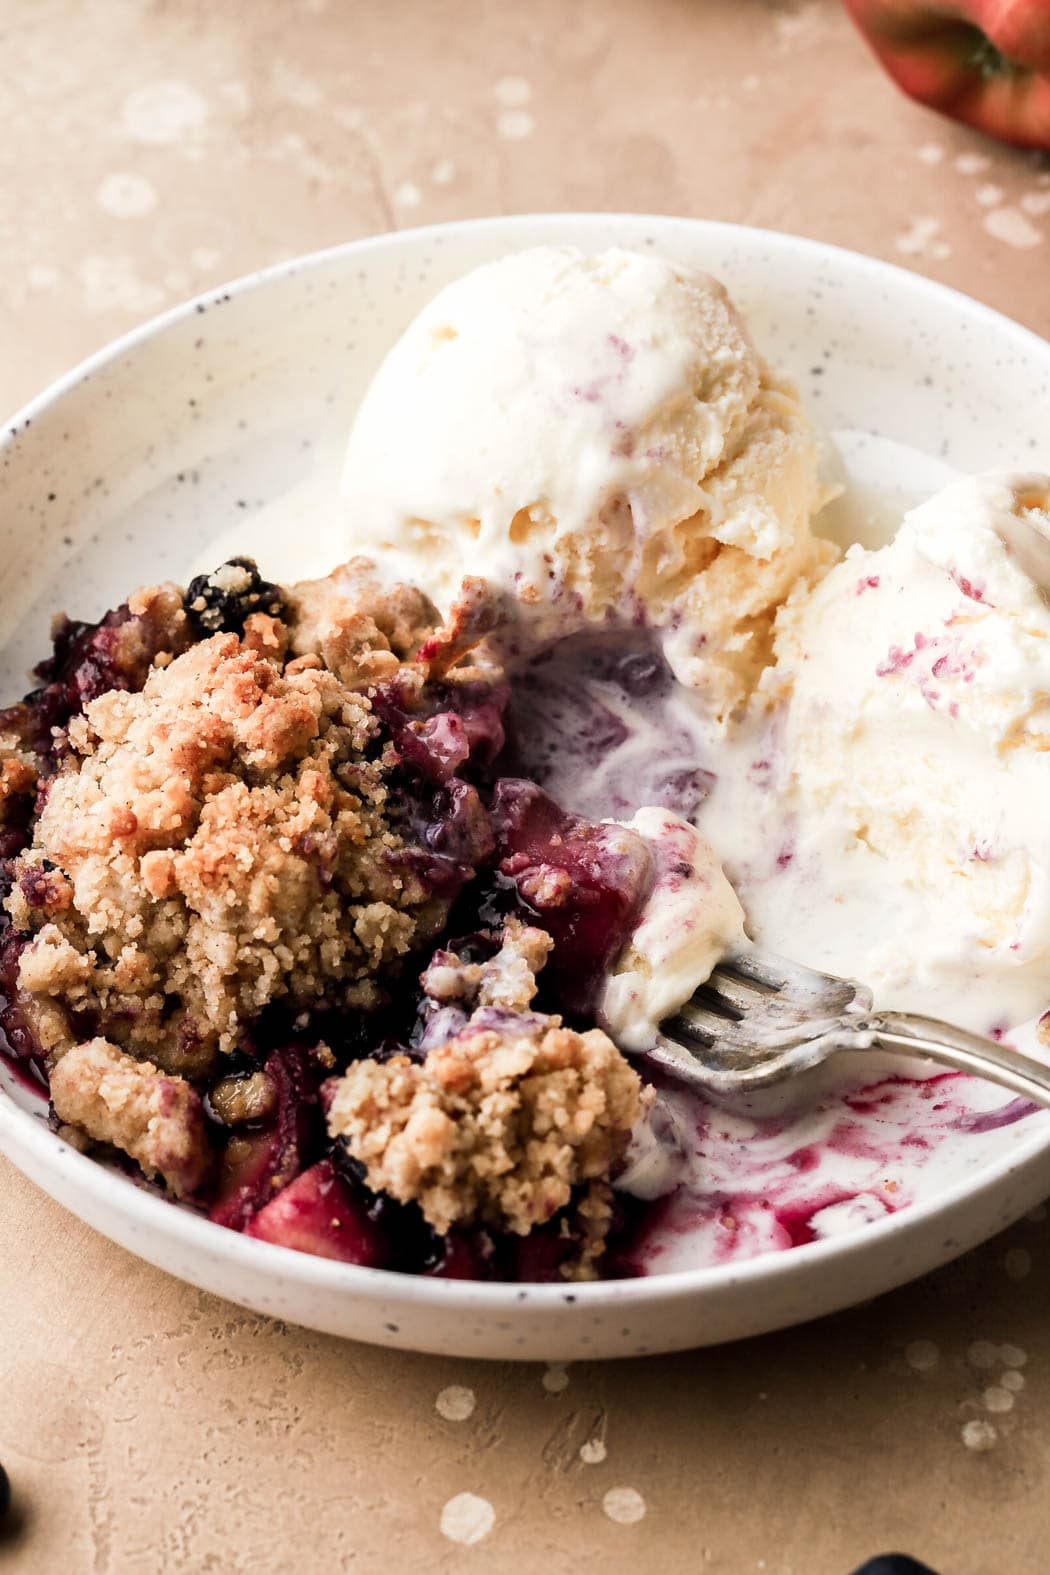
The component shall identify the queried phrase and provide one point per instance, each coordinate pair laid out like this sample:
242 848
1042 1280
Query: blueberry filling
481 846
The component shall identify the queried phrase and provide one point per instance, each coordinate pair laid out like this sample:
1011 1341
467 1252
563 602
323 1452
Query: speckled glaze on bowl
128 467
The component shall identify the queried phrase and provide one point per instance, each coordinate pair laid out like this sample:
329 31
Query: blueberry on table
5 1493
894 1564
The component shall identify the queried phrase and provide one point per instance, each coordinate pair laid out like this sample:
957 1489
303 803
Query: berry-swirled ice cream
916 746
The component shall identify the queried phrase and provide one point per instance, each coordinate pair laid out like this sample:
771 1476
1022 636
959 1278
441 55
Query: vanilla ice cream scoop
597 436
917 741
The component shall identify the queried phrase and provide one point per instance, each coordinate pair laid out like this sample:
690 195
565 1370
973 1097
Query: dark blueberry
894 1564
406 1237
220 603
460 1255
5 1493
446 828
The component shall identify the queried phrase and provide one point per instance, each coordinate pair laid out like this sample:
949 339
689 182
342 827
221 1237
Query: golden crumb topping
360 628
216 842
500 1125
134 1106
509 1121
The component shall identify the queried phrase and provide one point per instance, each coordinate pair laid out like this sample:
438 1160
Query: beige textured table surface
152 148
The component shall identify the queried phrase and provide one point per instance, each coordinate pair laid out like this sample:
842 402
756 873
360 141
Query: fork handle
966 1052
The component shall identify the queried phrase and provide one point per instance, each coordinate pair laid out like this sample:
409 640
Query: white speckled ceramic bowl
130 466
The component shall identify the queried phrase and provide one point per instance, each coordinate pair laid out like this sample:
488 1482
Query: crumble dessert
335 913
272 923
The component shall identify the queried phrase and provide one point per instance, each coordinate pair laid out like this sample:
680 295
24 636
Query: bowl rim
24 1131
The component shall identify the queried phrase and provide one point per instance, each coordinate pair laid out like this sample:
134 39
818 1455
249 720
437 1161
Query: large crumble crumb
134 1106
508 1120
360 628
214 843
500 1125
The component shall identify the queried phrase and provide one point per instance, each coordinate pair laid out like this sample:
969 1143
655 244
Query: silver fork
760 1019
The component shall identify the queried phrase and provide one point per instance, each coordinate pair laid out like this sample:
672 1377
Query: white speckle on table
294 148
125 195
111 284
1018 1263
205 257
467 1519
1012 1356
931 153
982 1353
456 1403
923 239
40 277
513 92
979 1435
349 116
989 196
625 1505
922 1355
408 195
1011 225
593 1452
163 112
972 163
236 95
295 88
514 125
751 84
997 1399
1036 203
443 173
799 25
1012 1380
556 1378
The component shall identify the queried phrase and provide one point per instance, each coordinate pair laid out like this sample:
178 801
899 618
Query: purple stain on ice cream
896 661
974 592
